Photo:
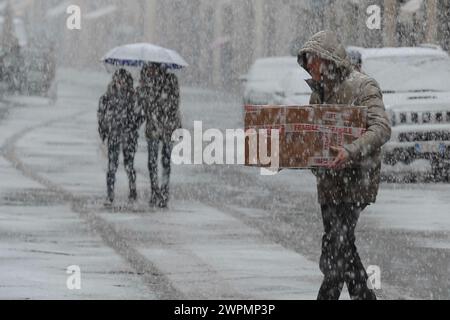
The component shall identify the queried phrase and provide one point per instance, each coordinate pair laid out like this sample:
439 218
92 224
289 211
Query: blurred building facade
104 24
221 38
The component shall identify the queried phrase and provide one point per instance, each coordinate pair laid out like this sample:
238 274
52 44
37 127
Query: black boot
108 202
155 197
164 197
110 190
331 288
131 177
133 192
133 195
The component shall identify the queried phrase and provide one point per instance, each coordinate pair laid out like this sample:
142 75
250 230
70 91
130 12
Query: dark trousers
128 147
160 193
340 262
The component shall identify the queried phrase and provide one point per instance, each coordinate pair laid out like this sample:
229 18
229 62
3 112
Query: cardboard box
305 133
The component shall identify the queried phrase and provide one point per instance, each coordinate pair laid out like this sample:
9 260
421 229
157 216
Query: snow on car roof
426 106
276 60
272 69
371 53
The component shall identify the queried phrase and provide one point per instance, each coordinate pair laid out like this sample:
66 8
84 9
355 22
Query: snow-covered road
229 233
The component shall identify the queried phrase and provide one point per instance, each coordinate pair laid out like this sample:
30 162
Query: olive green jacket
359 182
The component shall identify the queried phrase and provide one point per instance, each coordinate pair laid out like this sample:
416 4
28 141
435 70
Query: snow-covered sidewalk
229 233
200 251
41 236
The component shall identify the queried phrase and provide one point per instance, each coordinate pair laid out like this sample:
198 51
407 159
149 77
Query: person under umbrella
159 97
118 123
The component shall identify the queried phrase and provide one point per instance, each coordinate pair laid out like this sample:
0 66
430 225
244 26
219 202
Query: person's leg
153 150
333 280
129 151
113 163
355 273
166 165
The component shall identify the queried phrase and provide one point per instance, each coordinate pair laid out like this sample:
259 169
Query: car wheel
390 159
412 178
440 171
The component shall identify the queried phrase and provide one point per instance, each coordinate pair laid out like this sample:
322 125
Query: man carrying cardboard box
351 182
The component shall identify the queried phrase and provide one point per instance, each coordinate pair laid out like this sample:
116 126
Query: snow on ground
40 242
427 208
204 252
229 233
41 237
415 207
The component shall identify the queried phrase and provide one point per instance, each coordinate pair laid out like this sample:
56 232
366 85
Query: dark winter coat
171 99
159 98
118 116
359 182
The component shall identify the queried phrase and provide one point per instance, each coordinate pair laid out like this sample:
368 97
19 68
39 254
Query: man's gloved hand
341 159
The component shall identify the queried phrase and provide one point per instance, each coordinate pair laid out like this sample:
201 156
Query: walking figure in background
12 65
119 121
159 97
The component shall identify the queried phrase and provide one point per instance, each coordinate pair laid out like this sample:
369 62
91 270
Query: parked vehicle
294 89
416 87
26 67
263 81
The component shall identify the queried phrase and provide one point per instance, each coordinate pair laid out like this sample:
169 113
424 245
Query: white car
416 87
294 89
263 81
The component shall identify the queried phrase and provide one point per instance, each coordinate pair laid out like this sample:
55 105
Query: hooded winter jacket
118 116
359 181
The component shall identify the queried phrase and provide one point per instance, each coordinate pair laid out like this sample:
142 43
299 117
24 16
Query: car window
294 83
410 73
271 70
